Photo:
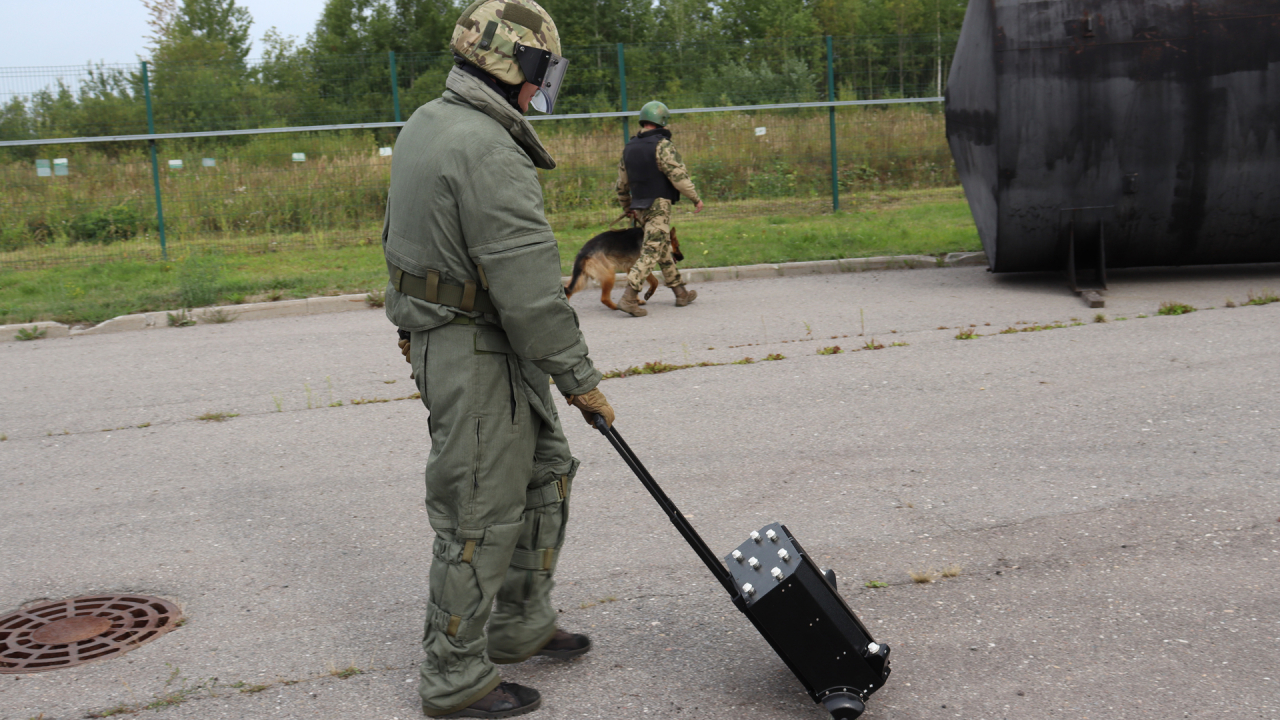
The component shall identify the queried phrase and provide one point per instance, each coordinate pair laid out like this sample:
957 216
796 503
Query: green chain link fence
296 152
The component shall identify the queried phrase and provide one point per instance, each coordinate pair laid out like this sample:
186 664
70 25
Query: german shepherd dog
610 252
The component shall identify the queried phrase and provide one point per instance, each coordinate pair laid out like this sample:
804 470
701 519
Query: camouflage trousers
657 247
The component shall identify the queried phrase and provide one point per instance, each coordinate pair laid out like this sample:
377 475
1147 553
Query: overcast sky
75 32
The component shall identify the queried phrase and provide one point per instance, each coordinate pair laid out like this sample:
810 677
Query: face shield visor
544 69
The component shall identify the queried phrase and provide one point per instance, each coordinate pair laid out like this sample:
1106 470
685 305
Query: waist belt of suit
467 298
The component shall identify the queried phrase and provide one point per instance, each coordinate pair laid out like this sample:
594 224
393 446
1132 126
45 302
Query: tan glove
592 404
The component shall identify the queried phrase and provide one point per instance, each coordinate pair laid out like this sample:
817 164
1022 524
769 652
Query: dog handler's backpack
793 604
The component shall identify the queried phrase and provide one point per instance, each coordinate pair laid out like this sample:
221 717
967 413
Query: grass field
925 222
251 191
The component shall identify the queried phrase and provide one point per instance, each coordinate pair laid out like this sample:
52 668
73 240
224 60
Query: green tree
349 53
425 26
108 101
215 21
199 79
900 47
602 22
685 57
686 21
793 81
777 44
761 19
889 17
162 14
198 84
589 33
15 124
285 84
354 27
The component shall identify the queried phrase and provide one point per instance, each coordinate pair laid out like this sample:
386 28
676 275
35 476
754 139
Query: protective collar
483 97
510 92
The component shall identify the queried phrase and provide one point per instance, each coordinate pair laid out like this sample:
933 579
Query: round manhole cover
72 632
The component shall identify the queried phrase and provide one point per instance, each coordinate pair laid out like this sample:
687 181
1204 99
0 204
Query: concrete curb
345 303
50 330
825 267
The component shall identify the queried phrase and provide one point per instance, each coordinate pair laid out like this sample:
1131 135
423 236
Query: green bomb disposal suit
465 225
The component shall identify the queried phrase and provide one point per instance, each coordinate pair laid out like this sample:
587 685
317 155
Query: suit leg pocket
496 350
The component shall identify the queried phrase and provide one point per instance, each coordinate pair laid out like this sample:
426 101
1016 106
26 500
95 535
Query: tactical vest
648 182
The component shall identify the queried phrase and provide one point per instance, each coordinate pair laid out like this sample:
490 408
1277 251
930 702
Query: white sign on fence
761 131
175 164
209 162
299 157
43 169
60 166
384 152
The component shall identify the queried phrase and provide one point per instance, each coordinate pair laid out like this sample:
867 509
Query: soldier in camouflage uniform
651 177
475 292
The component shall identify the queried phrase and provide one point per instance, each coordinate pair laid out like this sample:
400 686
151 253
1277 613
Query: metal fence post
831 97
395 87
622 82
155 166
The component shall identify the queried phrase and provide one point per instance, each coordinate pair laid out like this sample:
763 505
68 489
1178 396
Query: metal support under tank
1090 295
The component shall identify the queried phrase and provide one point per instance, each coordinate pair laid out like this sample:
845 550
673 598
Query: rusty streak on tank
1152 123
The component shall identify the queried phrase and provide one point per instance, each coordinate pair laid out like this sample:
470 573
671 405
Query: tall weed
198 279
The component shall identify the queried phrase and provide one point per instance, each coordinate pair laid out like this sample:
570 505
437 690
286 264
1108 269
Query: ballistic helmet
515 41
656 113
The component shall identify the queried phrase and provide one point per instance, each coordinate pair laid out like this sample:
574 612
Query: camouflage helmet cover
488 30
656 113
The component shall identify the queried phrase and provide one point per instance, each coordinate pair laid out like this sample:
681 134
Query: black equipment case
793 604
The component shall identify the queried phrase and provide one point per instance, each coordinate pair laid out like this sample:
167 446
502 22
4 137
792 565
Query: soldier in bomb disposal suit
475 293
651 177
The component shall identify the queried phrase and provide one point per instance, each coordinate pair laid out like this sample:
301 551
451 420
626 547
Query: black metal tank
1154 125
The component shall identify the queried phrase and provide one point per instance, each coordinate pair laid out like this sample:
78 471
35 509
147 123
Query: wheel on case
843 706
830 576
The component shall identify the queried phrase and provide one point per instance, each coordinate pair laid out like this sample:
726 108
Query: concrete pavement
1107 491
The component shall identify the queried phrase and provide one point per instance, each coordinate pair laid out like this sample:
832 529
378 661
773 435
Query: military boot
506 700
630 303
684 295
562 646
566 645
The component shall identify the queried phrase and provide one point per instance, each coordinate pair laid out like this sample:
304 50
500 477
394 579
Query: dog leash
623 215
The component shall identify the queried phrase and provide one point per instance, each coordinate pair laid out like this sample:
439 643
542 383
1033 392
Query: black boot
506 700
566 646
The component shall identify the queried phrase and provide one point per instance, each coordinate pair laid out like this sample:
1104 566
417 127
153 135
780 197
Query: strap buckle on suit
540 559
547 494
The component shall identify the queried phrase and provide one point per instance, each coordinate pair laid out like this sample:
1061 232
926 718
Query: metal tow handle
673 513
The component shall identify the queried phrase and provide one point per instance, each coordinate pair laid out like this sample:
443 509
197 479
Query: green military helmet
655 112
487 34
